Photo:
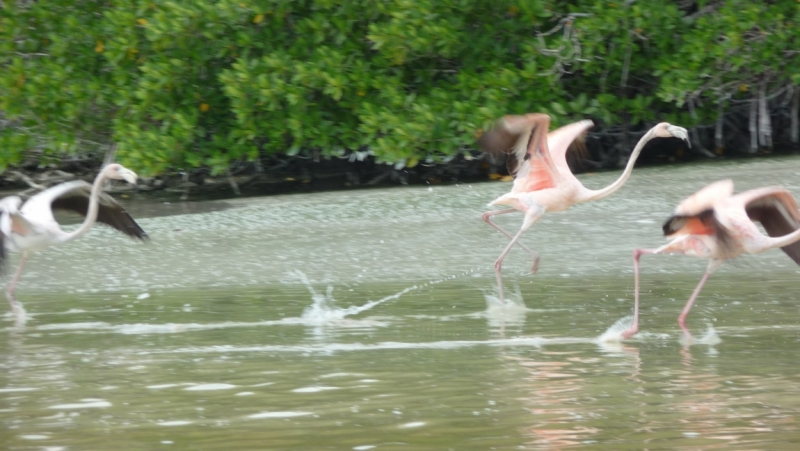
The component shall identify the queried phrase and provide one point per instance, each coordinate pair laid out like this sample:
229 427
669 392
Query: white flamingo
29 226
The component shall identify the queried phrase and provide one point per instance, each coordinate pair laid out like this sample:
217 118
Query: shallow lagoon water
364 320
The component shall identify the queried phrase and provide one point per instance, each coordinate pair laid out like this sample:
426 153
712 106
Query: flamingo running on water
544 181
30 226
717 225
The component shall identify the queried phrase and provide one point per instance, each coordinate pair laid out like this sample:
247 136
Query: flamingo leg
487 217
637 253
530 218
685 312
712 266
13 284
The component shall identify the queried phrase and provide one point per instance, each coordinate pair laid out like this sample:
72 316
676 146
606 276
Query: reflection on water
380 329
408 373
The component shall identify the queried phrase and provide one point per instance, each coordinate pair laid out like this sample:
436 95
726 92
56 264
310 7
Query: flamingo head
667 130
120 172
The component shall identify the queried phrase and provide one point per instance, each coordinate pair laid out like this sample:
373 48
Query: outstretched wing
776 210
109 212
705 199
565 139
74 196
524 140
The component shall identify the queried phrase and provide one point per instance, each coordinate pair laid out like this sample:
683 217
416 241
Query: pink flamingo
717 225
544 181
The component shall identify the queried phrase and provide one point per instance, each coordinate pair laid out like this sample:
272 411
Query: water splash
510 312
512 300
20 317
323 310
614 333
710 338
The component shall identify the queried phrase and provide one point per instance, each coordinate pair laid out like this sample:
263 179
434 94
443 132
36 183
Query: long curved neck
91 213
590 194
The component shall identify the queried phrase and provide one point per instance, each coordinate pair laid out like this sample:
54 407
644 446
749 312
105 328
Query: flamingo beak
128 175
679 132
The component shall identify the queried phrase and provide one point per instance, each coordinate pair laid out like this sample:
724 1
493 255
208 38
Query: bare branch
702 11
28 180
719 141
626 66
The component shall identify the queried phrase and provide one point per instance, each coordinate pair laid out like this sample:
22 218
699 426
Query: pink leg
685 312
635 327
487 217
13 284
529 220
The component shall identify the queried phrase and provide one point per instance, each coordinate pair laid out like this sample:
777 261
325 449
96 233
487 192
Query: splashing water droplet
324 310
710 338
614 333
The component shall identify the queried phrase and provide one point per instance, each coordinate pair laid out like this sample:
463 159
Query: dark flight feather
109 212
499 143
777 221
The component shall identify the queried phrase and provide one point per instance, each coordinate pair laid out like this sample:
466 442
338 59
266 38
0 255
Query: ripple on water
160 386
313 389
210 387
286 414
16 389
34 437
84 404
174 423
413 424
325 376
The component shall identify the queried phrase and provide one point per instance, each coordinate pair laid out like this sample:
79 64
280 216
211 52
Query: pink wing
525 140
538 169
705 198
560 141
695 215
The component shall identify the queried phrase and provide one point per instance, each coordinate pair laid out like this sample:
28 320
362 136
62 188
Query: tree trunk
764 123
794 130
626 66
753 127
719 142
696 143
111 155
233 183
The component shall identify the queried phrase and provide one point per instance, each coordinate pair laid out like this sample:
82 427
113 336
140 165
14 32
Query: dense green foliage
192 83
